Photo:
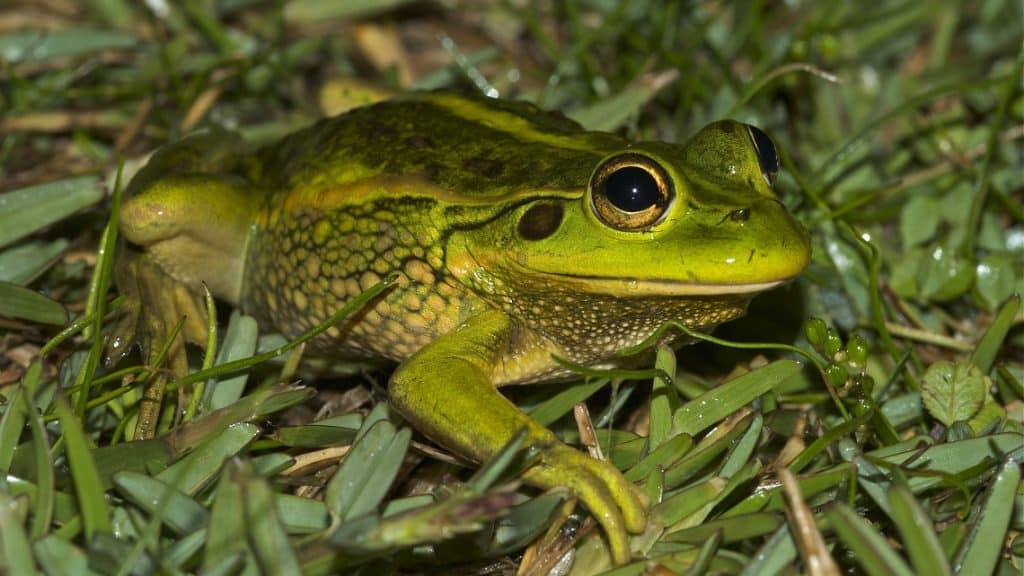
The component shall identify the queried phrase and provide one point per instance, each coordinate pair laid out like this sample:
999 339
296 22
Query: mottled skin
485 210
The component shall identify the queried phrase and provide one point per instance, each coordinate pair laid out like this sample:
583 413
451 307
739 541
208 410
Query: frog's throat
627 287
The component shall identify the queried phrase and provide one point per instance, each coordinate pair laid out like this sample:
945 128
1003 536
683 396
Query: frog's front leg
445 391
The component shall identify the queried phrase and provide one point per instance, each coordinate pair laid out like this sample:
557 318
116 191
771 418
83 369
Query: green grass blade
92 502
193 472
175 509
21 264
27 304
42 512
984 543
664 399
57 556
870 549
918 535
709 408
227 526
778 552
270 543
15 552
27 210
239 342
366 474
985 353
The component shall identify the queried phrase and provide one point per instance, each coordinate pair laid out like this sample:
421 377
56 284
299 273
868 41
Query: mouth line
653 287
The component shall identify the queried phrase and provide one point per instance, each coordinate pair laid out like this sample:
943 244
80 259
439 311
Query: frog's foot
616 503
155 303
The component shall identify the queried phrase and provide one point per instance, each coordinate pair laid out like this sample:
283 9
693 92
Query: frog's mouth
637 287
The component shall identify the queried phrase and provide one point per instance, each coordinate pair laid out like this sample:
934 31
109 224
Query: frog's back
469 147
376 191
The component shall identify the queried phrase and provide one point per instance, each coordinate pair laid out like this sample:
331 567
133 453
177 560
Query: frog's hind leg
155 304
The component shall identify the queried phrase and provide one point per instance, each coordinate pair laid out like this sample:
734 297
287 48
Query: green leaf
74 41
27 304
15 552
270 543
26 210
944 275
997 276
919 219
547 412
711 407
92 502
985 353
22 263
227 526
664 399
953 392
870 549
984 544
193 472
239 342
611 113
174 508
58 556
366 474
915 528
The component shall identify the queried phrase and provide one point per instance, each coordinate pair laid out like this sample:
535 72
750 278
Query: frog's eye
767 156
630 192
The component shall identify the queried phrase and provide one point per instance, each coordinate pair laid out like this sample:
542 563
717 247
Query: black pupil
766 154
631 189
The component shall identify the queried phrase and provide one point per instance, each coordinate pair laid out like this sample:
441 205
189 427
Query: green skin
485 210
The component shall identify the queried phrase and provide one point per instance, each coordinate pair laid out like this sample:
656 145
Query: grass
893 447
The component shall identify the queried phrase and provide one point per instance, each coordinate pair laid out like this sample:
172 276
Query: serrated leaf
953 392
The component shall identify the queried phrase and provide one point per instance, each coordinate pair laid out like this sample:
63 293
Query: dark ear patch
540 221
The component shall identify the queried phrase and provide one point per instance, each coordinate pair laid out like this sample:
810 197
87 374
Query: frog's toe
613 501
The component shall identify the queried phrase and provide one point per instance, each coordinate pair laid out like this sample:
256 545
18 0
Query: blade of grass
984 543
16 555
871 550
27 304
92 502
270 543
714 405
44 502
918 534
27 210
985 353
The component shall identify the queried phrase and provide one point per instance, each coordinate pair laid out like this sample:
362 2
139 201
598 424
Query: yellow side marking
511 124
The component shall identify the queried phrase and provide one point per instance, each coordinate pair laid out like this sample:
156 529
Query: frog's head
655 223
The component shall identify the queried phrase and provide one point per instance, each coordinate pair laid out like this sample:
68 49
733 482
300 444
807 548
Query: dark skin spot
483 165
418 142
540 221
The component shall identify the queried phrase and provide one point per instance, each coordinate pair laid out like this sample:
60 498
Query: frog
519 244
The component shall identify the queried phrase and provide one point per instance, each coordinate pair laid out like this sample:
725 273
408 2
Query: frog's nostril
741 215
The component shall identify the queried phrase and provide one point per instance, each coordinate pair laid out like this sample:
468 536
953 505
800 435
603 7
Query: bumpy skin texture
485 210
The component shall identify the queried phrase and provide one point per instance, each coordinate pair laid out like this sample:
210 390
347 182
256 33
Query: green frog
516 237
